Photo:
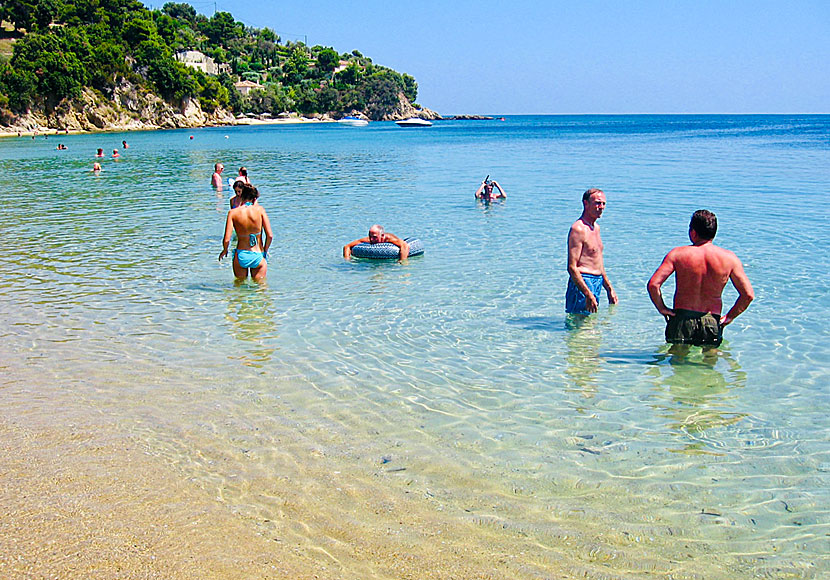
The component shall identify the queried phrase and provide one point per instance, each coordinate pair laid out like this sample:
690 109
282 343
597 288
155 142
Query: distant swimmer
378 236
216 180
249 221
115 154
585 264
485 190
61 147
100 152
124 144
701 272
243 175
96 167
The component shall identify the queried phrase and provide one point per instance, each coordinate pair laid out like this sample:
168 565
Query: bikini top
251 237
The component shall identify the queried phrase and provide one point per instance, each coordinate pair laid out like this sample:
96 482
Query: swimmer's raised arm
497 186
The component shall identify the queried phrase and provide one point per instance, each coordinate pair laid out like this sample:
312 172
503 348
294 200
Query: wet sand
83 500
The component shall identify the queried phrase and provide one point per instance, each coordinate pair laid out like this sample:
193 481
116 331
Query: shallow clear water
454 373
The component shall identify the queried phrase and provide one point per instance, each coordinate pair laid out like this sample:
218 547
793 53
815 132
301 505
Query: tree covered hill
68 54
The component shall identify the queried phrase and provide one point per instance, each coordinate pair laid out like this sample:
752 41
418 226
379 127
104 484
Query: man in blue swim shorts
585 265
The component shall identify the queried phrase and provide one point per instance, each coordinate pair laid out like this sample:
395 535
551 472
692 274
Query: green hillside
59 48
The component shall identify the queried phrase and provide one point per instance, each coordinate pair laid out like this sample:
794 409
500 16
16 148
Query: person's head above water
249 193
376 234
587 195
237 187
243 172
218 167
593 204
704 223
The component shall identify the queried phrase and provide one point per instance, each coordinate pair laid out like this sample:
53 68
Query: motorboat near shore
353 121
413 122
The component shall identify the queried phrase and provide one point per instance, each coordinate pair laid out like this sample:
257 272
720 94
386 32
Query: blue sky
589 56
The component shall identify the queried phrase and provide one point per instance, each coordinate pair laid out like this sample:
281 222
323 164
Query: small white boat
414 122
353 121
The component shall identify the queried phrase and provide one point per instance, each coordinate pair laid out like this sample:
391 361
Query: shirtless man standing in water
585 265
216 178
701 273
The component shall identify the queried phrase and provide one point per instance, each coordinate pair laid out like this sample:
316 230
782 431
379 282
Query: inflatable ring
387 250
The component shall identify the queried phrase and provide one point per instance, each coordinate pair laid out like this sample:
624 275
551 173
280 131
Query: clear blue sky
589 56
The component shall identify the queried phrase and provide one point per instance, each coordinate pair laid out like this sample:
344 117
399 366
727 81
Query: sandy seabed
84 500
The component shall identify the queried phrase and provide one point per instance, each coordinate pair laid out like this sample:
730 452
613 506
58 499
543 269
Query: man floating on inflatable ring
377 236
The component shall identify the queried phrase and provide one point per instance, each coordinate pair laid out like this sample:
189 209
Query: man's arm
745 293
606 283
400 243
347 249
497 186
656 281
479 190
576 239
226 241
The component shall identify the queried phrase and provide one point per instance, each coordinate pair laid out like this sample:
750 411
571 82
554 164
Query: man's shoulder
681 250
723 251
579 226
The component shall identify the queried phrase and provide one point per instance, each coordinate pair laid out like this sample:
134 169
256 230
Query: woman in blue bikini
249 220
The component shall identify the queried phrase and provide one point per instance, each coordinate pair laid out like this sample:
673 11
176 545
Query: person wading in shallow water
701 273
249 220
585 264
216 178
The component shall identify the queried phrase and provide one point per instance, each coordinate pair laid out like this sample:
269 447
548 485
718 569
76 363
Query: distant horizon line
496 115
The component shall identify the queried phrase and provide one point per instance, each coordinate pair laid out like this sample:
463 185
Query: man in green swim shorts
701 273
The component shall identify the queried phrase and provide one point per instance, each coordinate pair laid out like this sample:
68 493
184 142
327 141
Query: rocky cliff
403 110
130 108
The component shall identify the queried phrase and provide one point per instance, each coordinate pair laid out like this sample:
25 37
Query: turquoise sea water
453 375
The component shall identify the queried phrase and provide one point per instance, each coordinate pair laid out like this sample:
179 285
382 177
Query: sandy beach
435 419
84 500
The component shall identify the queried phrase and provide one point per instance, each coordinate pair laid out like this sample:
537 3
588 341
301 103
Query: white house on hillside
246 87
201 61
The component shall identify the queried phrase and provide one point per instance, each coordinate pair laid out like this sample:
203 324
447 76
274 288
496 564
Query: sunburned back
247 221
701 274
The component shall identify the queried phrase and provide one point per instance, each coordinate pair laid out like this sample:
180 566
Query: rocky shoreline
132 109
